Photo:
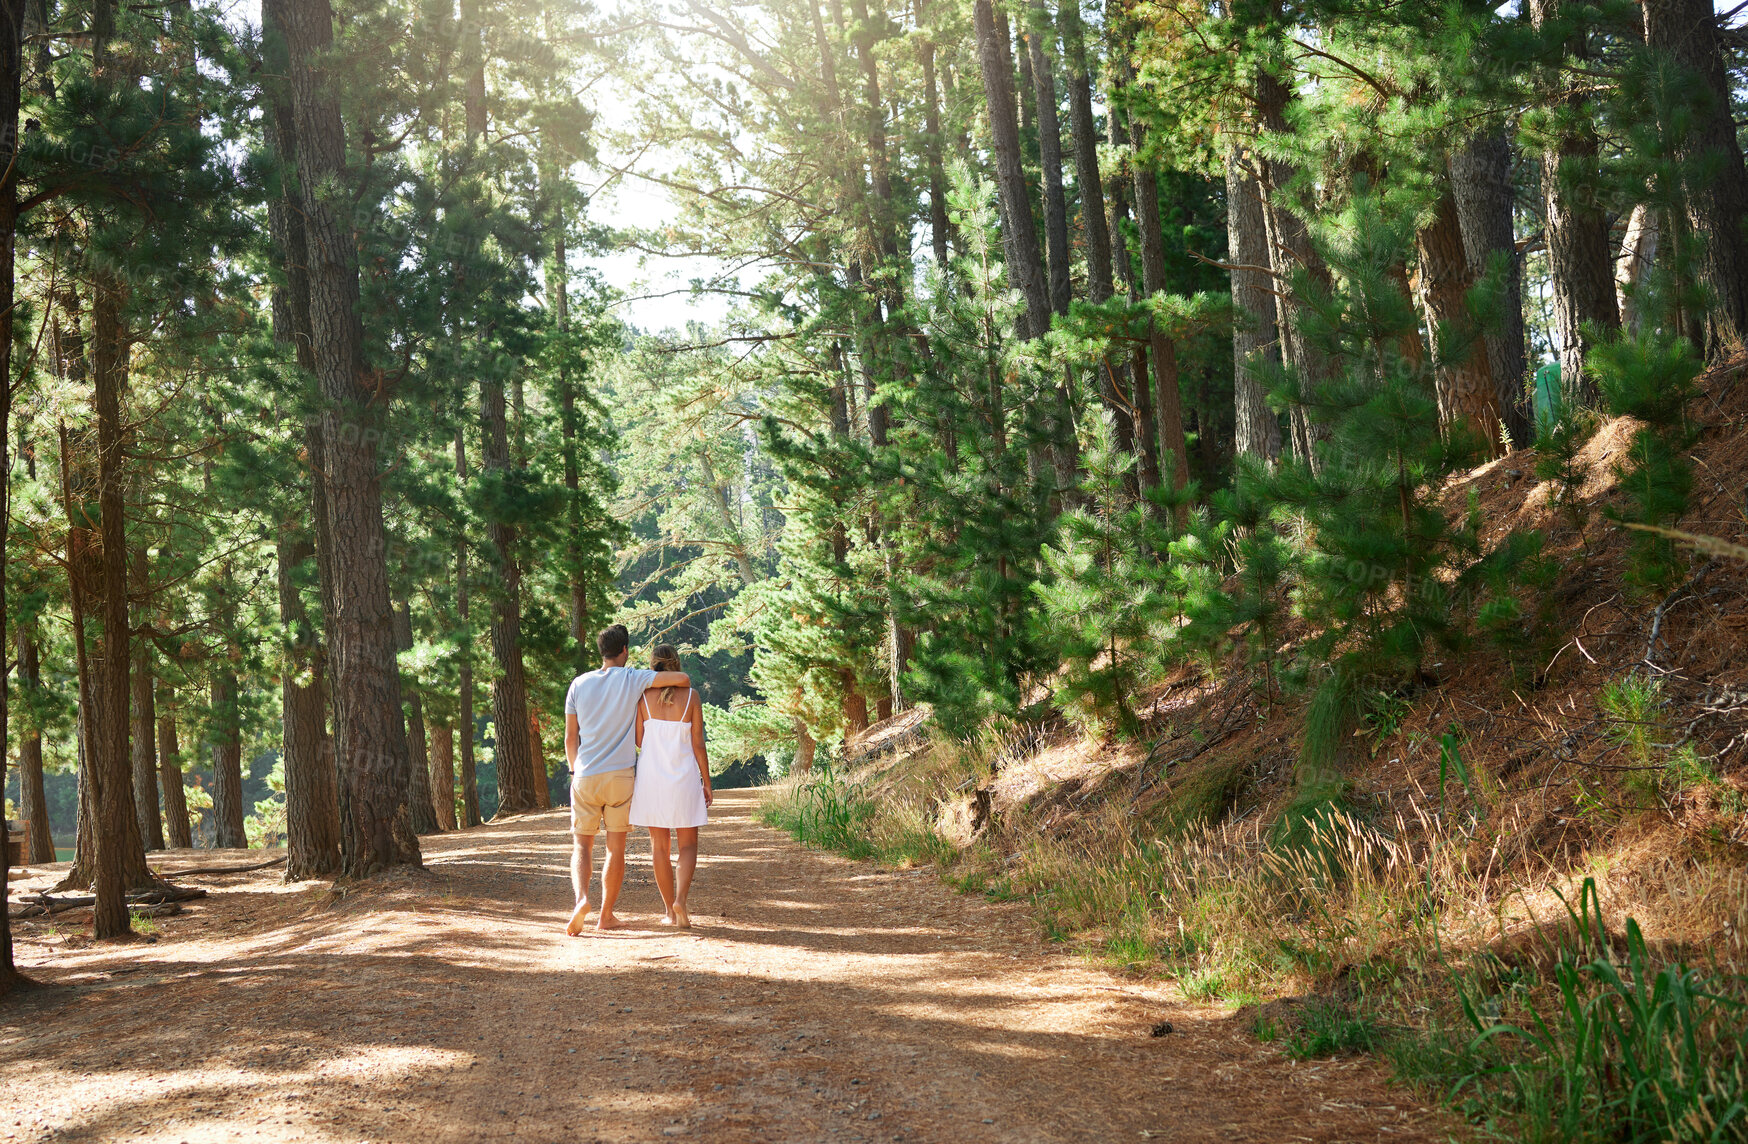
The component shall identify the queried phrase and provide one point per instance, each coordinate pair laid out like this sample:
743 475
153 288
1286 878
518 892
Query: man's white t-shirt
605 704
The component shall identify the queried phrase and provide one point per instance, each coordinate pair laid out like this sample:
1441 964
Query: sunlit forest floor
815 999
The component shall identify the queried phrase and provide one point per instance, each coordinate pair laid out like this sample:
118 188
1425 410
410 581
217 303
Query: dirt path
817 999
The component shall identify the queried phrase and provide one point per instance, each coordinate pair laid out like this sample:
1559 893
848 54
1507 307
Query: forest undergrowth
1526 887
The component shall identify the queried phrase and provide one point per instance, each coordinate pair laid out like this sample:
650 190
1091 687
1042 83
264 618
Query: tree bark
1019 234
32 802
537 750
443 774
1638 254
1467 395
1576 228
469 777
1168 402
1714 180
121 860
144 719
1120 386
940 228
1084 129
1255 339
312 813
376 831
11 85
509 682
1064 450
1481 185
1050 157
227 762
423 810
170 775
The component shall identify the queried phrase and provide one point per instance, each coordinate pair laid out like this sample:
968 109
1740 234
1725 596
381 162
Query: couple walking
634 738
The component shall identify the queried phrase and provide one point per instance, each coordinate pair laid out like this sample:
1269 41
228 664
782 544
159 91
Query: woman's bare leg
688 864
664 872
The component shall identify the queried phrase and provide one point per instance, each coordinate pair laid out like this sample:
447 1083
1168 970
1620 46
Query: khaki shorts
602 799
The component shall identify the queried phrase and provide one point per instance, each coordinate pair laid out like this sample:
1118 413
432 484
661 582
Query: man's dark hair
613 641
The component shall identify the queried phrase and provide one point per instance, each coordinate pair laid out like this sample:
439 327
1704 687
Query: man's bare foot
682 919
607 921
578 917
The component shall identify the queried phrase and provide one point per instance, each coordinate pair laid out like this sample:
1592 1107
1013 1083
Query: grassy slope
1442 894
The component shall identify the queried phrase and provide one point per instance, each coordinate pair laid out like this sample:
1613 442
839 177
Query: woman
673 782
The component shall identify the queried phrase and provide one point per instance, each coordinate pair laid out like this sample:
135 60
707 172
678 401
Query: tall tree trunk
1063 446
109 857
509 683
144 719
1576 228
570 428
11 83
1255 339
312 813
473 66
375 827
537 750
855 704
1638 254
170 774
443 774
1122 388
1025 263
312 810
1290 253
1481 185
1467 396
1050 157
32 802
227 761
469 778
1167 400
940 228
121 860
423 810
1714 180
1084 128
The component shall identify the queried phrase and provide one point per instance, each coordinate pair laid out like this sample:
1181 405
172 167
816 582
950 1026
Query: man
599 711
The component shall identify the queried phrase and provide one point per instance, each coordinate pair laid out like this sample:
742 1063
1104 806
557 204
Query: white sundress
668 792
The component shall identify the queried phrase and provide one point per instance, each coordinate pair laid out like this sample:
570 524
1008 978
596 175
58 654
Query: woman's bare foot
607 921
682 919
668 918
578 917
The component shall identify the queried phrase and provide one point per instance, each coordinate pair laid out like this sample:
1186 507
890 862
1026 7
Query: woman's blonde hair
666 657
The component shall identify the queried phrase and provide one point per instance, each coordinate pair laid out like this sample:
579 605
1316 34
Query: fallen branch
221 869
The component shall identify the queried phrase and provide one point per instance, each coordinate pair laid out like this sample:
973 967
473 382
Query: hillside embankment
1569 808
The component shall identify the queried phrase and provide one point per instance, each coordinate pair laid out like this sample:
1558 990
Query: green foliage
1329 1029
1633 705
1651 377
1385 574
1629 1050
1102 601
824 811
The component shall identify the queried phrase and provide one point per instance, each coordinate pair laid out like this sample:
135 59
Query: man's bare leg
612 877
664 870
582 869
683 883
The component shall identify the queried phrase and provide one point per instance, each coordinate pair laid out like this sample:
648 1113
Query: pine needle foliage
1103 599
1385 573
